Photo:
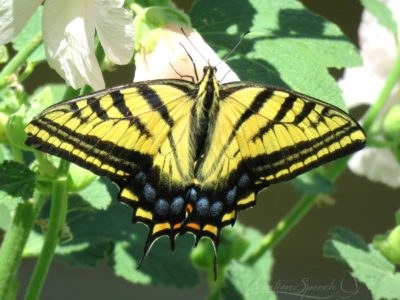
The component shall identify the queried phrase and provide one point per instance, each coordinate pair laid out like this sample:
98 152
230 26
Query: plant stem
19 59
56 221
283 227
391 81
15 240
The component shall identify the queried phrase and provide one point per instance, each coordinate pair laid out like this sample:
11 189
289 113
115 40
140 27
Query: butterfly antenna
194 47
191 59
226 56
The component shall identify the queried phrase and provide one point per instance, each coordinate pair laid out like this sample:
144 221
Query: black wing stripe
119 103
307 109
94 104
156 103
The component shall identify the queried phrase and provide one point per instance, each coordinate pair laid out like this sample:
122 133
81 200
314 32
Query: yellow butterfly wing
131 134
264 135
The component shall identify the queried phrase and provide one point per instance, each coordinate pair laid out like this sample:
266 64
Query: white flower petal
378 49
13 16
114 26
169 57
377 165
68 31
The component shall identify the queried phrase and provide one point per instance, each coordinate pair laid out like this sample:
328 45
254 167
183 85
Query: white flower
169 56
68 31
362 85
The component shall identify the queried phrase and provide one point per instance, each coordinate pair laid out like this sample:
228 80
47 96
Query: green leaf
108 235
31 29
383 14
57 92
245 281
287 44
398 217
368 264
96 194
313 183
16 180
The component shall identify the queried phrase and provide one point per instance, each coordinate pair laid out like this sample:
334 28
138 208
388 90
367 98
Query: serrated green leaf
368 264
383 14
287 44
30 30
249 281
96 194
16 180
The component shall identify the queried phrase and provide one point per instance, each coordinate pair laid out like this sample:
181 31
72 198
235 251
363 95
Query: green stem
19 59
56 221
283 227
391 81
15 240
27 72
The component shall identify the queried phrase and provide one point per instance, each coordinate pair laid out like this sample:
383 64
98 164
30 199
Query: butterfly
188 156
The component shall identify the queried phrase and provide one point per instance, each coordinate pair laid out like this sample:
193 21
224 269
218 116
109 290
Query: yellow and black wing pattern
188 156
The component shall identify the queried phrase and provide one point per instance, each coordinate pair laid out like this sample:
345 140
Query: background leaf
287 44
368 264
16 180
249 281
96 194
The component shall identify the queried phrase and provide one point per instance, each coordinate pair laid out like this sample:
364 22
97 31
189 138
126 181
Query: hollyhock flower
68 31
362 85
167 53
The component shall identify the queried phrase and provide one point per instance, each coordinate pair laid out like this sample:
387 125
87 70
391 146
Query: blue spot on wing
149 192
177 205
202 207
162 207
